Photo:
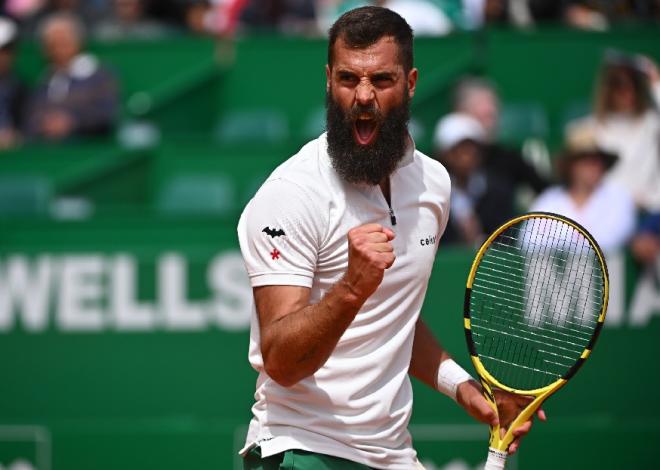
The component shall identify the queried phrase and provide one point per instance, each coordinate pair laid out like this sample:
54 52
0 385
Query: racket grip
496 459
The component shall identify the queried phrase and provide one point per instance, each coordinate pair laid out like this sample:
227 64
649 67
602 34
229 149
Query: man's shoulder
305 172
307 167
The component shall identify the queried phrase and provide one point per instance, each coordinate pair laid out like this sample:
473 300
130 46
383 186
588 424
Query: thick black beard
371 163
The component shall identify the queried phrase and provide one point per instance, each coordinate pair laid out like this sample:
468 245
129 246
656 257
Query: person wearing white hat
506 170
459 138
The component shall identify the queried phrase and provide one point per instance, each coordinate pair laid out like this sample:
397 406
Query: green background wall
114 379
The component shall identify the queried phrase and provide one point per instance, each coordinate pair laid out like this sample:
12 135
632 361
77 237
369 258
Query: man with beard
339 243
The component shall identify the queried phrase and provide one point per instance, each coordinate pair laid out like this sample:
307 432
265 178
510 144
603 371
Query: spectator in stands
627 123
605 209
286 16
32 13
128 21
460 138
645 244
78 97
477 97
425 17
12 90
506 169
594 15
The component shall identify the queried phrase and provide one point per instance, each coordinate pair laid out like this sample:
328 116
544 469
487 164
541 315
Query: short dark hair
362 27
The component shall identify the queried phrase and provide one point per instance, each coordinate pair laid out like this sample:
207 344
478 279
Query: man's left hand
469 396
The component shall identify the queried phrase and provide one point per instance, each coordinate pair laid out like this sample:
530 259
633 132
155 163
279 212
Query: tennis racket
535 303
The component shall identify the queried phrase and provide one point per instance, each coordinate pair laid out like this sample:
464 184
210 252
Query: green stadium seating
197 194
24 195
572 111
520 121
252 125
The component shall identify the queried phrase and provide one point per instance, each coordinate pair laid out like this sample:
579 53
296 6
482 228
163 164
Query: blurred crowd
77 95
606 177
147 19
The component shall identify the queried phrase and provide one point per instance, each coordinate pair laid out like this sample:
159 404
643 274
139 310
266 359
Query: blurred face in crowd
622 93
71 5
61 42
463 160
128 11
494 10
586 173
368 95
6 60
482 104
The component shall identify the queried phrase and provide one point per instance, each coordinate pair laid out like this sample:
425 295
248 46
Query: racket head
535 303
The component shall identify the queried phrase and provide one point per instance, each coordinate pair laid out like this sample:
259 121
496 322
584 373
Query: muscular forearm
427 355
297 345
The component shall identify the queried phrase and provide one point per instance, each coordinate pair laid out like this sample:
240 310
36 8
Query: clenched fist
370 253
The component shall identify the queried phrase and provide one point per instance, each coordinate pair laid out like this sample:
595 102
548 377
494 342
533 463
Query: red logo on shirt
275 254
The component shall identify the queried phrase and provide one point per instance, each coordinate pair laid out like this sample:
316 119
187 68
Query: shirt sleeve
280 234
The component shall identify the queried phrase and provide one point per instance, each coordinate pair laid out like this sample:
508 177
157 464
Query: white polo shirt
293 232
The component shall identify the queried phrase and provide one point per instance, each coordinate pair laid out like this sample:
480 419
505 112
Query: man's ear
328 73
412 82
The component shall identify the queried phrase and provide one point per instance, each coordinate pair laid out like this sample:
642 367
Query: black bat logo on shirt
274 232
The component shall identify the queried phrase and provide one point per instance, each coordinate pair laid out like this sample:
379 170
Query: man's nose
364 93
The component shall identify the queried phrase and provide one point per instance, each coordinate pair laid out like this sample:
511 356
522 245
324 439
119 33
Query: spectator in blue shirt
78 96
645 245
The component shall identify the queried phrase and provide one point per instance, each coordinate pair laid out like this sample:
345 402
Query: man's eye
347 78
382 80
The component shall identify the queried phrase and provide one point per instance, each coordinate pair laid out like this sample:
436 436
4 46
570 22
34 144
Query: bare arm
427 354
426 358
297 338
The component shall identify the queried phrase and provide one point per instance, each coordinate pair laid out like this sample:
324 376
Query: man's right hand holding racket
470 396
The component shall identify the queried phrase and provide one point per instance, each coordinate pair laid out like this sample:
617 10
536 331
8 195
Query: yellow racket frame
539 395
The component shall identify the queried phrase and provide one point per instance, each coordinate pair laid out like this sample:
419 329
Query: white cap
8 31
455 128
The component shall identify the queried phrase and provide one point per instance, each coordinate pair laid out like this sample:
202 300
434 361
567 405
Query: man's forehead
383 54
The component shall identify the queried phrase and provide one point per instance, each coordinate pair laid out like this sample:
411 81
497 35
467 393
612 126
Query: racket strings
573 276
496 249
514 326
493 274
536 297
521 300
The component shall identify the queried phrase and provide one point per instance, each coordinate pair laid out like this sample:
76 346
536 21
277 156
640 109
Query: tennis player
339 243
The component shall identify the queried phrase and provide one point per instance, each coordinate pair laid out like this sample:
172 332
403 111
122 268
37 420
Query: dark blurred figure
645 244
507 171
128 20
31 13
459 139
594 15
286 16
604 208
627 123
12 91
78 97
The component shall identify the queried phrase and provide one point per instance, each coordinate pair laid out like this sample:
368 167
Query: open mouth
365 130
